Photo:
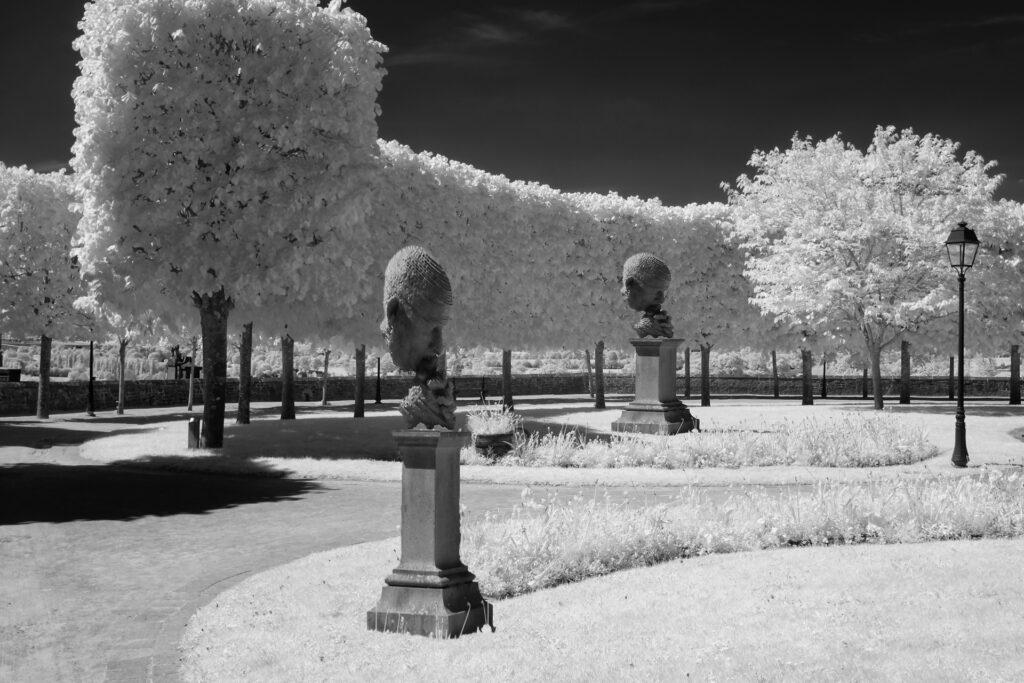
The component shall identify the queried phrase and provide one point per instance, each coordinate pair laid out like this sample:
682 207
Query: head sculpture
417 305
645 279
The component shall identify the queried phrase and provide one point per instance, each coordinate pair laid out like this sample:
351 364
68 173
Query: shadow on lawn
41 435
60 493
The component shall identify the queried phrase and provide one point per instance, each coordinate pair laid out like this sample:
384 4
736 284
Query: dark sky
652 98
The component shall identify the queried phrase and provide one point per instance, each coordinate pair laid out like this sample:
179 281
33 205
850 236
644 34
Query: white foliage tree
224 149
850 244
39 277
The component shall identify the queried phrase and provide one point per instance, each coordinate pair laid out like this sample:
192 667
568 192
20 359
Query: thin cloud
474 34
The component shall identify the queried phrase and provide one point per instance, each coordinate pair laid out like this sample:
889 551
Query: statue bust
645 277
417 302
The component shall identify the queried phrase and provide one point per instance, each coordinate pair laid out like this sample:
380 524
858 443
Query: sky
654 98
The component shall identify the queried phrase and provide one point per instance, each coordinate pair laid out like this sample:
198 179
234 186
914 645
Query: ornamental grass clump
849 440
493 418
548 541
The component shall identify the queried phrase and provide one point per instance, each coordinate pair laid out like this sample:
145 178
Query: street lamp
962 247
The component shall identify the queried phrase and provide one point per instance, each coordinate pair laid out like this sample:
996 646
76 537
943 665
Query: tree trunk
590 379
1014 375
122 357
90 409
875 353
705 374
287 377
904 372
775 374
213 319
43 394
244 375
824 385
327 365
358 410
506 378
192 372
377 398
686 372
864 384
599 375
808 377
952 375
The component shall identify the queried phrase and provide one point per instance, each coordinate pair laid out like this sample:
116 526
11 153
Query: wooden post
686 372
377 398
824 386
122 355
1014 375
590 379
952 373
287 377
43 394
89 405
359 408
244 375
327 365
808 371
599 375
904 371
775 374
506 378
705 374
191 373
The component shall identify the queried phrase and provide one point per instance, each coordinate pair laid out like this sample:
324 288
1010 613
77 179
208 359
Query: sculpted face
640 297
417 298
413 342
645 277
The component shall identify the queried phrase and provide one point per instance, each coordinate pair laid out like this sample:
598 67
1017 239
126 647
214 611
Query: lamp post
962 247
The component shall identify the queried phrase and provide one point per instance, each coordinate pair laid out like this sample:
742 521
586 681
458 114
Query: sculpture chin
430 403
654 324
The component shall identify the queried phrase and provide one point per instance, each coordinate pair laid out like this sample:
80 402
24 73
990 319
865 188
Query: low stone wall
19 398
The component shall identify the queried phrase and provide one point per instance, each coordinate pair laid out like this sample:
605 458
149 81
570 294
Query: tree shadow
40 435
61 493
984 410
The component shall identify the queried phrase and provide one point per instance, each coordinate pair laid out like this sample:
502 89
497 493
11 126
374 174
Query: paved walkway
101 566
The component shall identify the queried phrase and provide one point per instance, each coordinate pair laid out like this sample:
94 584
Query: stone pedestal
655 408
430 592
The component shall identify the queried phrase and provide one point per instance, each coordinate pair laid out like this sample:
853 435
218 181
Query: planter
494 445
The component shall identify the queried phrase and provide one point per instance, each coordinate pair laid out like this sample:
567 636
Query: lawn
825 582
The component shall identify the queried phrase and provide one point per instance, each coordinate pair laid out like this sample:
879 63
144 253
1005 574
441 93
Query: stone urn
494 445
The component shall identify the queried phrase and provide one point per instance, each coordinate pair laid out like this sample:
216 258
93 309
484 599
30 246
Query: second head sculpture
417 304
645 278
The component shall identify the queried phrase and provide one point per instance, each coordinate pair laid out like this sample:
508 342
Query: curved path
101 566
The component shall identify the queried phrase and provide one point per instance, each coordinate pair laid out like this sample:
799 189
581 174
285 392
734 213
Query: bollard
195 426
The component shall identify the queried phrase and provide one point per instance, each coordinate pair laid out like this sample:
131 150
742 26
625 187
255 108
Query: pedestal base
655 408
656 418
439 612
430 592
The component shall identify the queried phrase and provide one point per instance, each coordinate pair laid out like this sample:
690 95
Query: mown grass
843 440
552 541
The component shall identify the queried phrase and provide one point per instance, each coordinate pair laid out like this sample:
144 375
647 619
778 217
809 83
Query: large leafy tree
39 276
850 243
224 149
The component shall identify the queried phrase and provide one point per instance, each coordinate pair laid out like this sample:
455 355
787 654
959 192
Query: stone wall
19 398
